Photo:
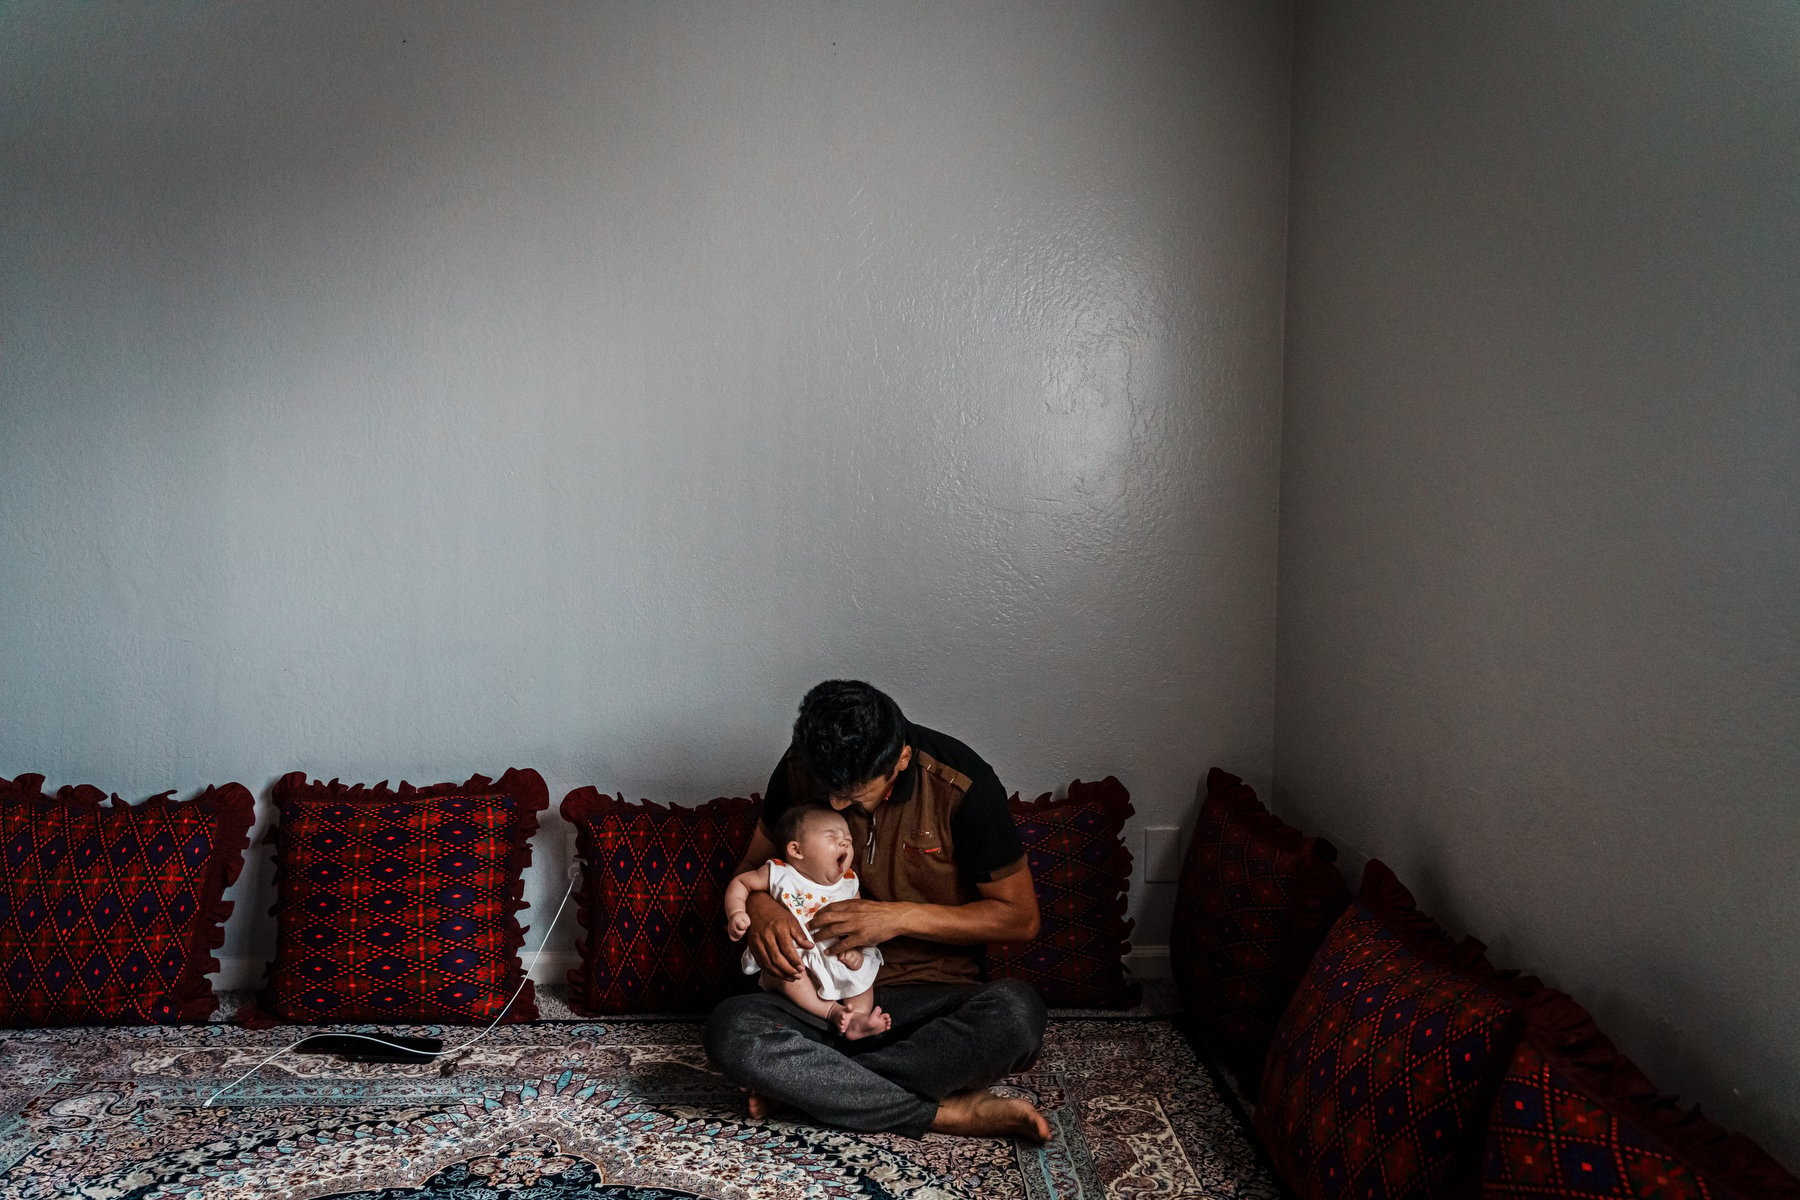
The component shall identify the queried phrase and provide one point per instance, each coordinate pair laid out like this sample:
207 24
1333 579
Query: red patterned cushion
1256 898
1574 1120
110 913
1079 865
402 904
1383 1068
652 900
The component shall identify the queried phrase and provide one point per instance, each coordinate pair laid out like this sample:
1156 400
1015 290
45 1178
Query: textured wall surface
1540 535
403 391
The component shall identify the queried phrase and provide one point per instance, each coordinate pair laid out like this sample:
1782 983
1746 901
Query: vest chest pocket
929 869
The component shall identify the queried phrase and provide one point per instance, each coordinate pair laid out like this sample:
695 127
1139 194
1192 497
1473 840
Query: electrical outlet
1162 854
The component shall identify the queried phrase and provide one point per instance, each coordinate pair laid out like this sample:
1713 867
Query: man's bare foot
853 1024
762 1106
982 1114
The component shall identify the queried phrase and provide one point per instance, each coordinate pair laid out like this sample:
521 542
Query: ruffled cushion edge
1390 899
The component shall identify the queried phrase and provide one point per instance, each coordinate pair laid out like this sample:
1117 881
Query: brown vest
910 855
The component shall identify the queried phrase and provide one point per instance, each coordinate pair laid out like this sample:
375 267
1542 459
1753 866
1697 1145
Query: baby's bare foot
853 1024
982 1114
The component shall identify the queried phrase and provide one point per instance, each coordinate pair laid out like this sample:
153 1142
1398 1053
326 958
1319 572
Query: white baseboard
238 974
1149 962
555 966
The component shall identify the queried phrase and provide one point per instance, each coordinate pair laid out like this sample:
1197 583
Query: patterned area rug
620 1110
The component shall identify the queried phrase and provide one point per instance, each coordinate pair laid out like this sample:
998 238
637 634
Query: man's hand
856 923
776 938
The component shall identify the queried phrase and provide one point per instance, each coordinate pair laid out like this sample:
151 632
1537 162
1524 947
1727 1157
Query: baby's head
816 842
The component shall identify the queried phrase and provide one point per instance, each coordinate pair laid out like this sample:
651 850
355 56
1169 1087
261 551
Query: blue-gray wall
403 391
1540 534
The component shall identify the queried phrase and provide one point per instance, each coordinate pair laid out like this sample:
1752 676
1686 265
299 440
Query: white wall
399 391
1539 641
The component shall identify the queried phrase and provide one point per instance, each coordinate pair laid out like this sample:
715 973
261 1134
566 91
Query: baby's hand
851 958
737 924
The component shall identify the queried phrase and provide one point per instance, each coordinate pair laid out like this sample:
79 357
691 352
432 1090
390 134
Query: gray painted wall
1539 521
403 391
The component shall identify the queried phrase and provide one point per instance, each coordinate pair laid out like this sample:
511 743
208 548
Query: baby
839 988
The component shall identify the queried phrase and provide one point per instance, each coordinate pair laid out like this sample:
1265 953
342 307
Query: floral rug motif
578 1110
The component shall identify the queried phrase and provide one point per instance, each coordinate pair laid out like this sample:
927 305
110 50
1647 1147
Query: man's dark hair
848 733
792 823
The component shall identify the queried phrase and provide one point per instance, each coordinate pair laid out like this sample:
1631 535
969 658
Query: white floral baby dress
803 898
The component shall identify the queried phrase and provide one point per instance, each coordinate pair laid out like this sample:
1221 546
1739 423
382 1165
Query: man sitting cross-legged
942 873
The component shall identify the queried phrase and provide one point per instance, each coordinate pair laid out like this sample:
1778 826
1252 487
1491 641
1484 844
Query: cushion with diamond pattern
652 902
1079 868
1575 1120
401 904
110 912
1382 1071
1255 899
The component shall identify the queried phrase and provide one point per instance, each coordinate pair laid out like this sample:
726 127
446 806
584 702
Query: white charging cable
574 874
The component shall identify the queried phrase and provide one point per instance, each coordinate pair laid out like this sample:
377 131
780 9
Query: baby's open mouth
843 863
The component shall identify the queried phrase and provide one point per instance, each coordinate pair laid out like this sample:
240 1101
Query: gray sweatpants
946 1038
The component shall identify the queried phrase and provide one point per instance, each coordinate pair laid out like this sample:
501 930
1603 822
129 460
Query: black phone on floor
373 1047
